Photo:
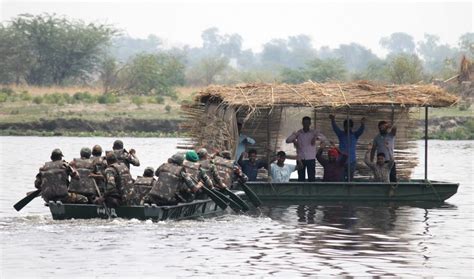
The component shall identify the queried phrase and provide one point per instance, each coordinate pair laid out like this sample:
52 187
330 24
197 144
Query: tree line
46 49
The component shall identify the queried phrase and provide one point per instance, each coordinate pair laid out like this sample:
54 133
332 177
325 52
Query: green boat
192 210
359 190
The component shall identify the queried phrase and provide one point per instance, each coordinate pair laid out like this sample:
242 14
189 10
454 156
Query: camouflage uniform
99 164
53 181
174 185
225 170
127 158
119 184
85 185
210 169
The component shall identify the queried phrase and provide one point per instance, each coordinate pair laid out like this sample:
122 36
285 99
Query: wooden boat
359 190
195 209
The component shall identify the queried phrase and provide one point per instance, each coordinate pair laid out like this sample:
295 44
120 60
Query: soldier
143 184
53 180
124 156
119 183
174 185
225 167
99 164
196 172
210 168
85 185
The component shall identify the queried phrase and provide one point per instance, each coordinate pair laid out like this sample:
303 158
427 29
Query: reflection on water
324 239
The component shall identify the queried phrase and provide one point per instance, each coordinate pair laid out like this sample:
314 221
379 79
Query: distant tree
125 47
207 69
355 57
59 48
148 74
435 55
109 70
404 68
317 70
398 43
15 53
375 70
466 44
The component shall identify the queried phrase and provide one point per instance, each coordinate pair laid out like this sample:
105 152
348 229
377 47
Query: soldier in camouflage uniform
85 185
174 185
99 164
119 183
124 156
225 167
142 185
210 169
197 173
53 180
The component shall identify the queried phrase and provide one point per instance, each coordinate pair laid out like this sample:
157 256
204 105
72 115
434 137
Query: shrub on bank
107 98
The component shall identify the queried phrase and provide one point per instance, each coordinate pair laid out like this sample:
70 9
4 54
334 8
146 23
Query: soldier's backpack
225 169
166 190
86 184
54 180
125 183
142 187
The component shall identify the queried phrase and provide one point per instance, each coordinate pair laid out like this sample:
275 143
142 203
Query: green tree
317 70
466 44
58 48
404 68
206 71
15 56
152 74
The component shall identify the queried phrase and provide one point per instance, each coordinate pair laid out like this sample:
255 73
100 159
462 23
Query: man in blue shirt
251 165
350 141
242 142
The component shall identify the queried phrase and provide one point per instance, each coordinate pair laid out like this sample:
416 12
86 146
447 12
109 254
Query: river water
280 241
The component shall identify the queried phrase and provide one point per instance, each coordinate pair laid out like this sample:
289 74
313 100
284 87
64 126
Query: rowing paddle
254 199
26 200
243 205
235 206
222 204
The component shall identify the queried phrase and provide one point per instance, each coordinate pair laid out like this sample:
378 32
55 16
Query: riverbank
87 112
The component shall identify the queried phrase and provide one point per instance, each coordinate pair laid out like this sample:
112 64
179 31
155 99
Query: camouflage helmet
226 154
56 153
177 158
97 150
148 172
202 152
118 144
110 157
86 152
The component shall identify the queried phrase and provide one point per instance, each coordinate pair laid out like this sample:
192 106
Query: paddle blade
254 199
26 200
215 198
235 206
243 205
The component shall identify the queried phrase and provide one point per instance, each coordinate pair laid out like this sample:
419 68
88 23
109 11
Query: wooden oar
26 200
243 205
254 199
103 202
235 206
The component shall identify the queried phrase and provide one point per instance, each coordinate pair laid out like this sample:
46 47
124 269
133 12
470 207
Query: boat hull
409 191
195 209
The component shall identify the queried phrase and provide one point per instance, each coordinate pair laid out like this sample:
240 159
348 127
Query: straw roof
313 94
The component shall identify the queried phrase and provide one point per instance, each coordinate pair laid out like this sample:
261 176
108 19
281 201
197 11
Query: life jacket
85 185
124 182
225 169
54 180
169 183
142 187
122 156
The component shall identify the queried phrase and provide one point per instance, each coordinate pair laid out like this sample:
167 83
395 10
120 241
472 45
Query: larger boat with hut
271 111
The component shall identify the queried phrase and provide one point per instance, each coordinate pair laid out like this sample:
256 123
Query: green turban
192 156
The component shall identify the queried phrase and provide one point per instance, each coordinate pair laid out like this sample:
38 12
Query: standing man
124 156
279 171
305 142
119 182
352 144
384 143
251 166
243 141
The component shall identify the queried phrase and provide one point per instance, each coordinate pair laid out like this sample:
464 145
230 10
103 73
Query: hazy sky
327 23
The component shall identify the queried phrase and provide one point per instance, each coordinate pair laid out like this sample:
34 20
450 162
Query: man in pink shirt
305 142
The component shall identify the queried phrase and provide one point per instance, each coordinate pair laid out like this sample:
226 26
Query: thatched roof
313 94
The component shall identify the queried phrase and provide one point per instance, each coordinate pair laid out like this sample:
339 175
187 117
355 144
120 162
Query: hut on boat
271 112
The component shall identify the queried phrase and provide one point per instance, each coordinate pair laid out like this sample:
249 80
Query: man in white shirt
279 171
242 143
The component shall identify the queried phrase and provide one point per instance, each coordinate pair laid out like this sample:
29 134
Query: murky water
281 241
